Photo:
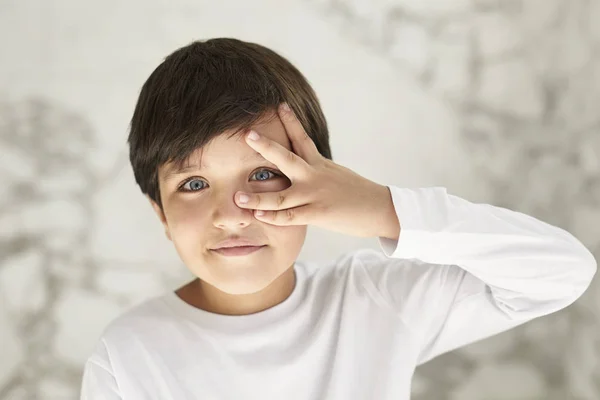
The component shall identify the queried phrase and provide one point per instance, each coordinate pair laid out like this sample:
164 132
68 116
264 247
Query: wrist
388 225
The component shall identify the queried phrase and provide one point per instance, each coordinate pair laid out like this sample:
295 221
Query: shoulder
137 321
370 270
370 273
368 266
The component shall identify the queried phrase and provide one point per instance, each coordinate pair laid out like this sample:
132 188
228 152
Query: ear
161 215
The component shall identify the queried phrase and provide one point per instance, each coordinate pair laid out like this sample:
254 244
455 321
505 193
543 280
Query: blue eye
196 184
192 185
265 171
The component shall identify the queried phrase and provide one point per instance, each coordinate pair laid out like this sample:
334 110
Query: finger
302 144
287 217
287 198
292 165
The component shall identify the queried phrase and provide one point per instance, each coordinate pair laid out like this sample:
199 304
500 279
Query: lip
237 250
236 242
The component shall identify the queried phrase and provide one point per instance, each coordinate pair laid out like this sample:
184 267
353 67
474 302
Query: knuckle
289 213
280 200
291 157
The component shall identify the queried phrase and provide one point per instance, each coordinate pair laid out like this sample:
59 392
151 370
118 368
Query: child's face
195 221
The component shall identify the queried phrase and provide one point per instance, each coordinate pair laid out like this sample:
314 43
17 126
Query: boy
224 129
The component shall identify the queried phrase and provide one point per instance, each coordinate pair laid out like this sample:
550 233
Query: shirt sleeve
99 382
460 272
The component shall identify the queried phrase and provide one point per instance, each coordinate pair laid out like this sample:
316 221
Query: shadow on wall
46 222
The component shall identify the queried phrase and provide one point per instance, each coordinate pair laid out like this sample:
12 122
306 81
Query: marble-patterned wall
495 99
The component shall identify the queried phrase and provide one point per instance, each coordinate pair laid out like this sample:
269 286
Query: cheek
290 238
187 228
185 218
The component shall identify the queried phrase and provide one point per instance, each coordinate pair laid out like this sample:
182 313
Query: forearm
508 250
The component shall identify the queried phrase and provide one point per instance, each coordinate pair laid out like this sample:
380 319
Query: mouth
238 250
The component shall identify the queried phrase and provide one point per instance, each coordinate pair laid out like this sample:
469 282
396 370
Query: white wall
496 100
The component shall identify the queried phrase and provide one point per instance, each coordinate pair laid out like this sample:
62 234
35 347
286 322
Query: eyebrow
173 171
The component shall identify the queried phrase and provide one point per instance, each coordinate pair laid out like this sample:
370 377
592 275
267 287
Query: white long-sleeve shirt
357 327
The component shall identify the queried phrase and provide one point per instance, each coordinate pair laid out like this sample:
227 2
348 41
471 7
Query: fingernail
260 212
285 107
243 198
253 135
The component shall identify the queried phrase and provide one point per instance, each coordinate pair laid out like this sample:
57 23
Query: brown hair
206 88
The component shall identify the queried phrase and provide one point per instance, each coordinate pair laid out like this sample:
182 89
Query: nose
227 214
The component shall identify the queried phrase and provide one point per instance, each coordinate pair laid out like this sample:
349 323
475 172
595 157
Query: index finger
302 144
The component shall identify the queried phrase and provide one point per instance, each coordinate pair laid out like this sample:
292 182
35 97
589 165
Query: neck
207 297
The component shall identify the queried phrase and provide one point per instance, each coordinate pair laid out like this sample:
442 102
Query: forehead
228 150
